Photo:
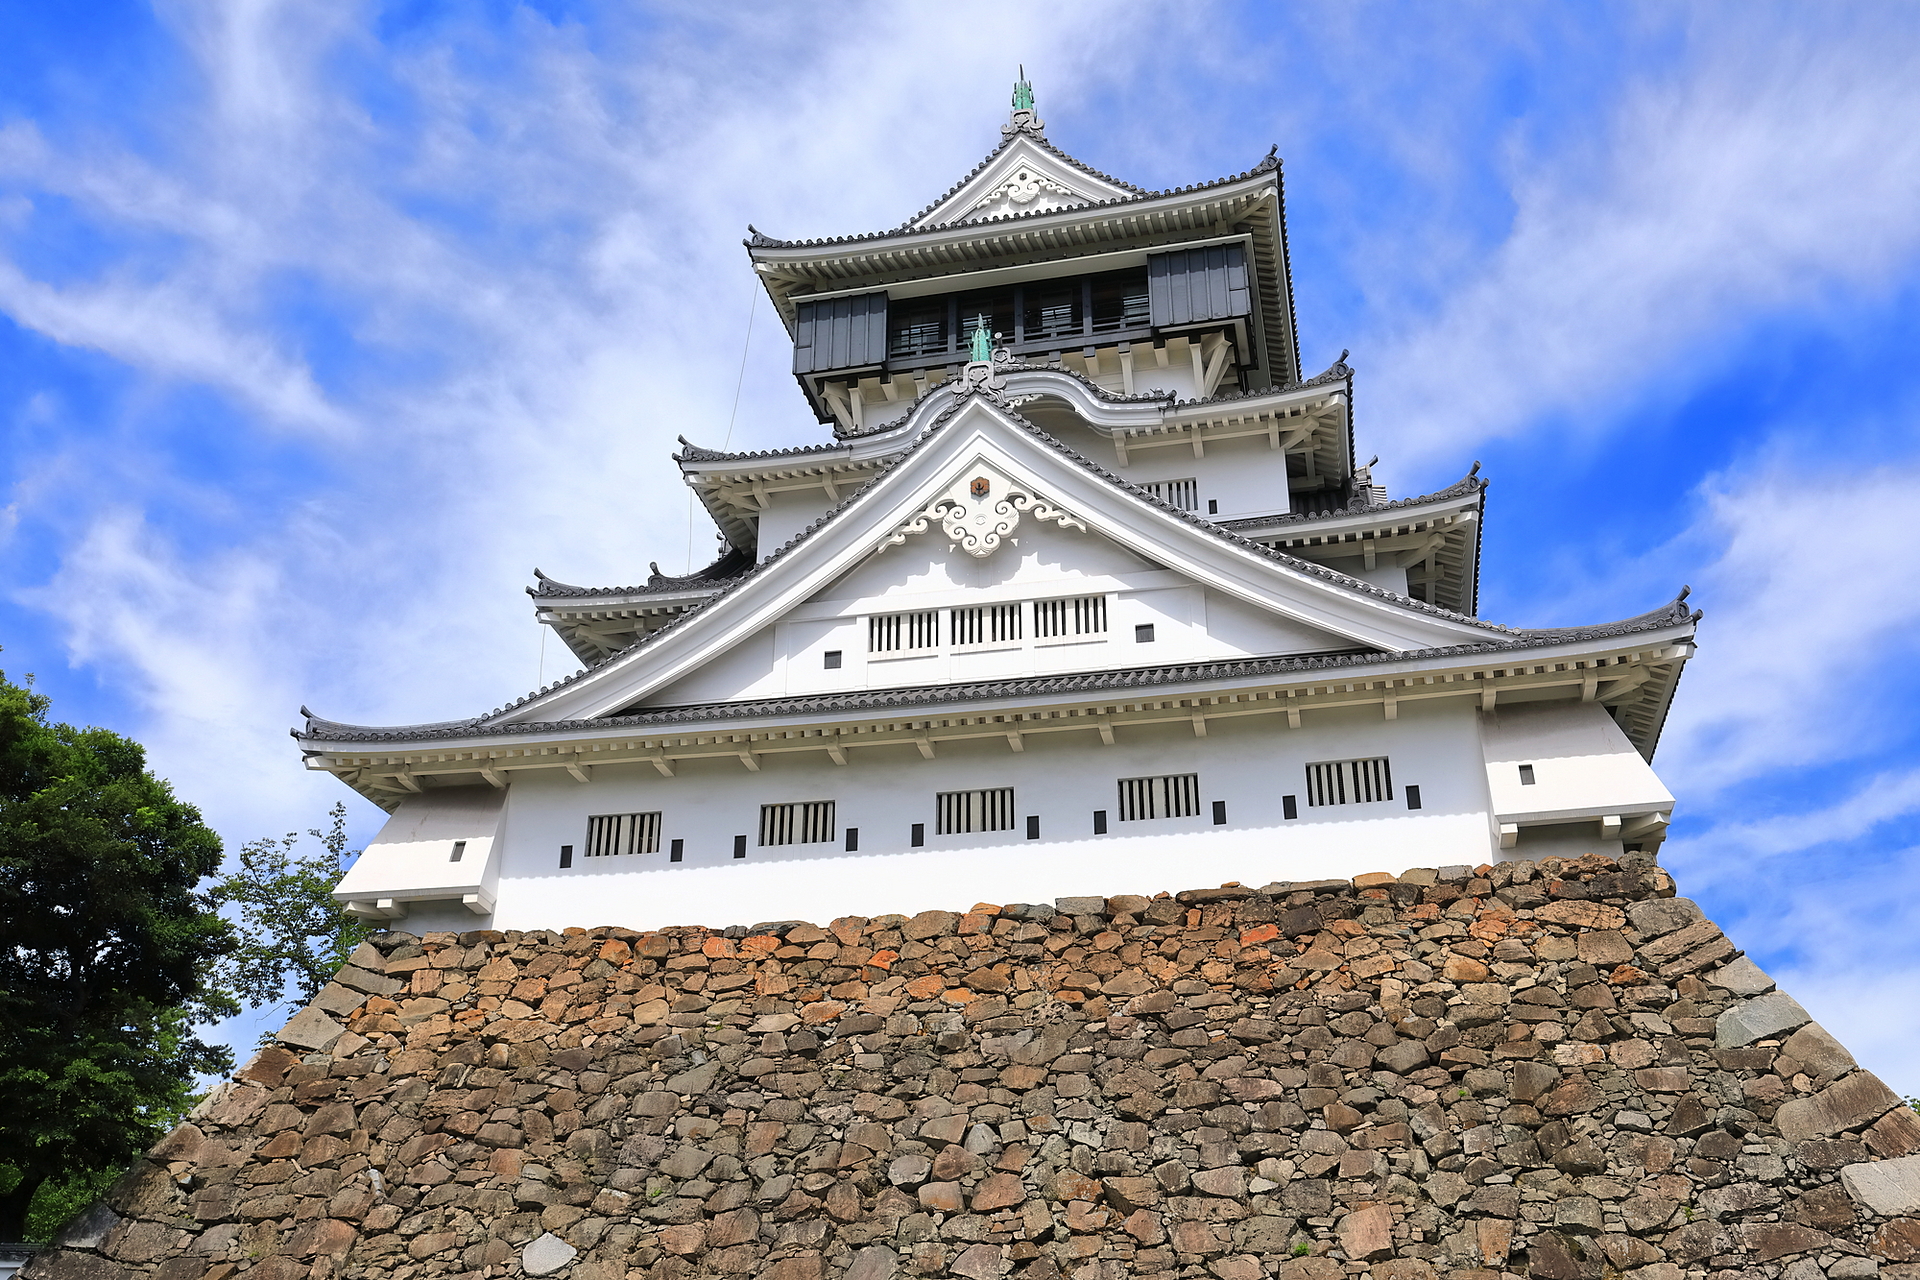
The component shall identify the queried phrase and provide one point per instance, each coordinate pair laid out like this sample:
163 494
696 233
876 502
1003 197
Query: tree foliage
106 943
293 935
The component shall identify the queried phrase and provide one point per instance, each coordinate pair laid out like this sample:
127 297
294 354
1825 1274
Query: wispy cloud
1767 174
478 278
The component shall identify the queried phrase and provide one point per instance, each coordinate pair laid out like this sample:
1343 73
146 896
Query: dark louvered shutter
1190 286
840 333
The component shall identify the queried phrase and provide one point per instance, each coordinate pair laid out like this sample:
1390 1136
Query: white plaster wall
1582 764
929 572
788 513
747 670
1249 762
411 855
1244 476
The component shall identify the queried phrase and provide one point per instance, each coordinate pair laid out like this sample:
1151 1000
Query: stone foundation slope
1546 1069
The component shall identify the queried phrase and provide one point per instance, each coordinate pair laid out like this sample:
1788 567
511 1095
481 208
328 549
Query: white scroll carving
980 511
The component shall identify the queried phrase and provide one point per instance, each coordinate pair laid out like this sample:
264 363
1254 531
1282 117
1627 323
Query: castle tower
1081 586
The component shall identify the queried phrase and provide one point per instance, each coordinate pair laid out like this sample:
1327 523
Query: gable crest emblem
975 520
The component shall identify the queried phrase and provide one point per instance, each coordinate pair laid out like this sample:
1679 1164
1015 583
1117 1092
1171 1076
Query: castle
1086 581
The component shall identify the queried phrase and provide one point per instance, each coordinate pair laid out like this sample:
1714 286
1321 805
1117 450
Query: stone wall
1545 1069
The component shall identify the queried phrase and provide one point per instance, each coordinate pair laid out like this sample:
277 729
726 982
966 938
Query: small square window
1526 775
833 659
566 855
1143 634
459 851
1289 807
677 851
1213 507
1413 796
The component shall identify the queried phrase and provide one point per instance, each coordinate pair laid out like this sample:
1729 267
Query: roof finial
1024 119
1023 91
980 343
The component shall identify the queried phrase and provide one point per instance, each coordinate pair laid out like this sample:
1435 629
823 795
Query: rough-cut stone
1397 1080
1742 977
1758 1019
1889 1188
546 1255
310 1029
1367 1233
1813 1052
1657 916
1849 1103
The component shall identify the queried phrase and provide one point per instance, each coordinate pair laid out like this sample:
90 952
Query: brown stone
980 1262
942 1197
1769 1240
1310 1269
1604 948
1195 1238
1895 1134
1899 1240
1230 1181
1571 1098
323 1237
998 1191
1403 1269
1847 1104
1367 1233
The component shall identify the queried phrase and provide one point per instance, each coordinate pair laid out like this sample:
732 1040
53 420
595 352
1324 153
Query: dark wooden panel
840 333
1192 286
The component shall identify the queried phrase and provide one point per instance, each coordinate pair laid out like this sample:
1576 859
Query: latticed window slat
610 834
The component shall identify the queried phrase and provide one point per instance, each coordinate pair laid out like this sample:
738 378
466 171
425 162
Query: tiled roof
759 240
1337 372
1470 484
730 565
319 730
1280 557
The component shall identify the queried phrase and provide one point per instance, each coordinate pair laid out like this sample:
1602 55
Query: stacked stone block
1547 1069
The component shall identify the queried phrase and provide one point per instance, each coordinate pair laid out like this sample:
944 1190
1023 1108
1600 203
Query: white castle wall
1062 777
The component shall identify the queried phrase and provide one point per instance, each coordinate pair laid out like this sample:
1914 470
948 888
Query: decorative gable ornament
1025 119
1025 185
979 511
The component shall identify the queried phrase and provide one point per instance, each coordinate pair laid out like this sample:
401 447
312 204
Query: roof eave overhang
782 267
1360 679
1346 522
1329 602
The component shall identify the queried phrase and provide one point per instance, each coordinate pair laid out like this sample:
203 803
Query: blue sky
322 324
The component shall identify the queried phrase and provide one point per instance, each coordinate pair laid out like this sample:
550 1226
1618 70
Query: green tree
106 943
293 935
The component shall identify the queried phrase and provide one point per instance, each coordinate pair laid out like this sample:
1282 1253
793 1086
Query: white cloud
527 272
1804 618
1764 175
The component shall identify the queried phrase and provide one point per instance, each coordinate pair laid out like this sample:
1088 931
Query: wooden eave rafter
1633 675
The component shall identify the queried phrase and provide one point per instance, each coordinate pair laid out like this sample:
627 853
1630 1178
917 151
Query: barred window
1349 781
1075 616
958 812
1176 795
806 822
895 632
984 624
616 833
1184 494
